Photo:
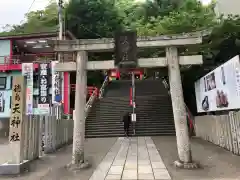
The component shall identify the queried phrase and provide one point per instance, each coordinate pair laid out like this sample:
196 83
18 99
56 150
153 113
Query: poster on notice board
219 89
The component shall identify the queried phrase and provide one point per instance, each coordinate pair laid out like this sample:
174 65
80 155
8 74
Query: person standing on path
126 121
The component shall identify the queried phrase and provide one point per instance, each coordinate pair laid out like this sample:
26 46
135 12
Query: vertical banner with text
27 71
43 101
56 91
2 101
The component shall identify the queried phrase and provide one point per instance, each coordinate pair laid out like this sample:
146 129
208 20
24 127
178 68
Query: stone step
153 108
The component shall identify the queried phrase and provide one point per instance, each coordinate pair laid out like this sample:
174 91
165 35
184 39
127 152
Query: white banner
133 117
43 109
220 89
27 70
55 83
2 104
43 97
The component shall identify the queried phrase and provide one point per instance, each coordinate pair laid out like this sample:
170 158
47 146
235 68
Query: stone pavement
216 162
132 159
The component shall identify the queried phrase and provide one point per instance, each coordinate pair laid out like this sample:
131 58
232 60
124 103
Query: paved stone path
132 159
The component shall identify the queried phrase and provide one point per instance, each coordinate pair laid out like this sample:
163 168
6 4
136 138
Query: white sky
13 11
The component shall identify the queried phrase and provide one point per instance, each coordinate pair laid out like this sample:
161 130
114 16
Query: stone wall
222 130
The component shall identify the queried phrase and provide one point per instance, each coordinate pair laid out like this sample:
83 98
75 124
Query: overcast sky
13 11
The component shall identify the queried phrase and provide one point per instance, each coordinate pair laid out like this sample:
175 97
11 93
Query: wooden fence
45 134
222 130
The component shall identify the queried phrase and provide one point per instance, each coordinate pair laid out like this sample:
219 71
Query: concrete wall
222 130
5 46
227 7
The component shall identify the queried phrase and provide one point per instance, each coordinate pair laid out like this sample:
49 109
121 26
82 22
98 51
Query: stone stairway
153 109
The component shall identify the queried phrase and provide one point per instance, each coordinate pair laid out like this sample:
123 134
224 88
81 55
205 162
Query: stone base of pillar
182 165
14 169
78 167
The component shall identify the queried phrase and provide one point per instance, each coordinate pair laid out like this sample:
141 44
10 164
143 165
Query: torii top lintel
107 44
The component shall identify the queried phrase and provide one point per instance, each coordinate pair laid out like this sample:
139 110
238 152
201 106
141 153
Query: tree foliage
101 18
37 21
92 19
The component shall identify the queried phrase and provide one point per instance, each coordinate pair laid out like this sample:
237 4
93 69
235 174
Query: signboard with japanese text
2 101
219 89
17 109
43 101
27 71
126 49
56 89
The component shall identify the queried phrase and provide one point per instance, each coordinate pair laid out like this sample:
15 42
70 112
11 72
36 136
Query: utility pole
60 19
133 103
60 58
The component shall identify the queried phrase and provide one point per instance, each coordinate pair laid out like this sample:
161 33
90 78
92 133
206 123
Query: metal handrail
91 101
101 91
18 59
94 96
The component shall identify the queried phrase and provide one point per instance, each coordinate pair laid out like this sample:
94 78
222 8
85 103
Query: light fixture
37 47
42 41
30 42
47 46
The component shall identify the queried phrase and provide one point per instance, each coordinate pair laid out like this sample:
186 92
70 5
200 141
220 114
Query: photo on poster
205 85
221 99
211 82
223 76
205 103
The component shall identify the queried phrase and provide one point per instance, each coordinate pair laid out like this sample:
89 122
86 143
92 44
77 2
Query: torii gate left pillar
172 61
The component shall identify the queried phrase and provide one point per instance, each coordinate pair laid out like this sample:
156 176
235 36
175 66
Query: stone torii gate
172 61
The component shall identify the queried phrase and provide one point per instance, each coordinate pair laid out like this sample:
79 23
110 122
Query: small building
28 48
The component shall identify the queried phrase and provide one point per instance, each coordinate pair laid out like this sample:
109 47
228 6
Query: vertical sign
126 49
27 71
2 101
16 118
56 96
43 102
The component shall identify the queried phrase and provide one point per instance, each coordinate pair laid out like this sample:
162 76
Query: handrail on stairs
104 84
189 114
93 97
96 95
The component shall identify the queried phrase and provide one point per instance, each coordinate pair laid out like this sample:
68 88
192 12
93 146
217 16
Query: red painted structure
13 62
90 89
115 73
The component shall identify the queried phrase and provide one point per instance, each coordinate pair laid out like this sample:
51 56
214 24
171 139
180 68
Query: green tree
92 19
190 16
37 21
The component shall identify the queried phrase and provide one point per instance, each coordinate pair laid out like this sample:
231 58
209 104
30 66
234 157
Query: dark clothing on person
127 121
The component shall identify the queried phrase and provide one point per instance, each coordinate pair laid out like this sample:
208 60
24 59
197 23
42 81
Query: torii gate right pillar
179 110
